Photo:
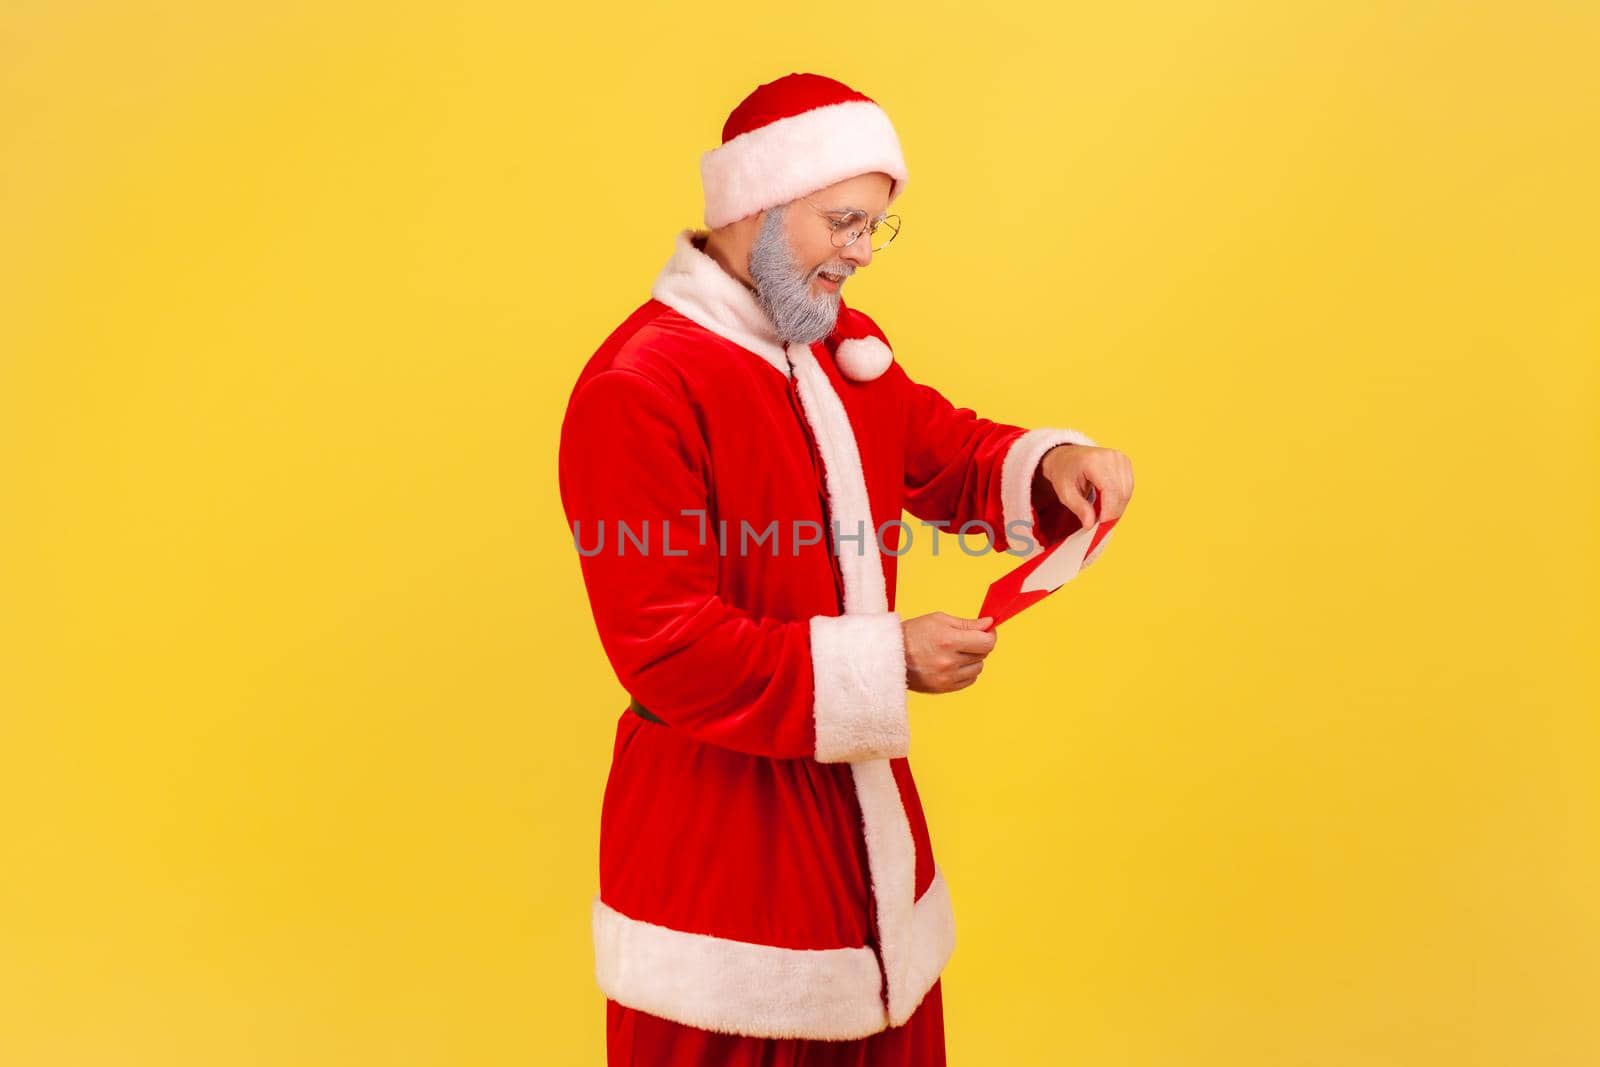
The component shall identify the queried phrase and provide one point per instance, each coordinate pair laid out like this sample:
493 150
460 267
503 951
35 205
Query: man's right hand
945 653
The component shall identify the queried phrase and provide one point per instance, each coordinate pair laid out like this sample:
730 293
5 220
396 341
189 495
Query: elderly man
735 460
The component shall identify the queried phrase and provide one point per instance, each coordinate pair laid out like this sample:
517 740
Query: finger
1124 483
1112 502
1111 492
950 683
974 642
968 671
1118 490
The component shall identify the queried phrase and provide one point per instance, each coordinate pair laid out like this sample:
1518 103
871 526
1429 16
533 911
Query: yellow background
303 722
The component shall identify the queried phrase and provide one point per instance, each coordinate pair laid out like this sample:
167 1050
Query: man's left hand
1074 470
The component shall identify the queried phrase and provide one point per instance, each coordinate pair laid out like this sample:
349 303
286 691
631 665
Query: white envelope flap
1062 564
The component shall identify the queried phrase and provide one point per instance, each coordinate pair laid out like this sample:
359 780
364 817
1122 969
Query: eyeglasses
848 226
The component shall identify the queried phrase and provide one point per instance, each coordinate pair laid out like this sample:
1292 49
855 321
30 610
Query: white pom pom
863 358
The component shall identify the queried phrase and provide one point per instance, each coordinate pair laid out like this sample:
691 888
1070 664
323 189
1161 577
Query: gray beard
784 291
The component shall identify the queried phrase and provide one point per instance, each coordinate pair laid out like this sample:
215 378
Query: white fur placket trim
865 589
891 851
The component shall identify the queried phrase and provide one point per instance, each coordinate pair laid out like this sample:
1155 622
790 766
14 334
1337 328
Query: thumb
974 624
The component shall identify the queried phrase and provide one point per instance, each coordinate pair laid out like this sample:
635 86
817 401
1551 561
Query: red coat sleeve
962 468
831 688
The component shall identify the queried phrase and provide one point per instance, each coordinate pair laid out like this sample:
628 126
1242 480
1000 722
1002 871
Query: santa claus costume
768 893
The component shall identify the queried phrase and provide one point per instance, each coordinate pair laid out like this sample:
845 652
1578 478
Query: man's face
797 270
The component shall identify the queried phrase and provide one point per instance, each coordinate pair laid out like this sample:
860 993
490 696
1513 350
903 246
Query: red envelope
1043 574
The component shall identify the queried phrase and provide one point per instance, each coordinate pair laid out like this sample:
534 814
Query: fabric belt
643 712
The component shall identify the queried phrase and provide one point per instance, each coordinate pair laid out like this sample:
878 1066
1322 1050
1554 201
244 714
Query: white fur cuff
858 666
1017 472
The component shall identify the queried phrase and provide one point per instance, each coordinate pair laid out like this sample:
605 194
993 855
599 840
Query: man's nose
860 252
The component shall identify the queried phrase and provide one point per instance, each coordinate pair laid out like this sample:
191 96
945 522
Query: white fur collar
695 285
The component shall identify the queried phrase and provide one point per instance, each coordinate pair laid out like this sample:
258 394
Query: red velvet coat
765 868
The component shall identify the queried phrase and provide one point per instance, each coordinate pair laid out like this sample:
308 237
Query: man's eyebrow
847 210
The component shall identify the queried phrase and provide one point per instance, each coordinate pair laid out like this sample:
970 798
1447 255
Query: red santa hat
791 137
